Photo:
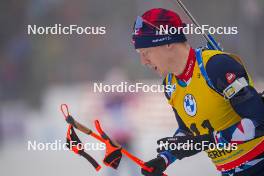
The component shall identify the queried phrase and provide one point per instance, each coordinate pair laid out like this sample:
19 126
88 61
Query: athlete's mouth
157 70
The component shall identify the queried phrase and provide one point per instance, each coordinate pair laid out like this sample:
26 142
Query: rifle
211 42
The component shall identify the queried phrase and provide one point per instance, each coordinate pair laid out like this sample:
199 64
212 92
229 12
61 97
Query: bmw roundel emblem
189 104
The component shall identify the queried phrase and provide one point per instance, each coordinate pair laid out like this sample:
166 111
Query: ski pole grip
83 128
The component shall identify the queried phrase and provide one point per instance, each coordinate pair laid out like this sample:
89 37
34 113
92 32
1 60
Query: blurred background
39 72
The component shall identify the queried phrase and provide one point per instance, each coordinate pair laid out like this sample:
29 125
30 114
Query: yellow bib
202 109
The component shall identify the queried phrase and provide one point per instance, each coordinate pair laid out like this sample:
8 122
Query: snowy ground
150 118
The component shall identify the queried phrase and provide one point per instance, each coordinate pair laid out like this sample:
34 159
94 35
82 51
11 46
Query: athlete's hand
184 146
158 164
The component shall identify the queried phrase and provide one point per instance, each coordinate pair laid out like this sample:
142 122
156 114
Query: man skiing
211 94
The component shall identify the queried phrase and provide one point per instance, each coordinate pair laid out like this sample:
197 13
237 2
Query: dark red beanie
146 30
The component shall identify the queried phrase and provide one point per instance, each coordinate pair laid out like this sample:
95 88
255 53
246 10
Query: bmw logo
190 106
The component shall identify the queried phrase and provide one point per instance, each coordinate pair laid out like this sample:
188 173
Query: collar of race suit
188 71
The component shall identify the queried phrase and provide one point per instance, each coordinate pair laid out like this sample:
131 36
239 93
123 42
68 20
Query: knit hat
148 26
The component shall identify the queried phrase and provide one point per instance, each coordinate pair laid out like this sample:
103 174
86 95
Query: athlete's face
155 58
166 58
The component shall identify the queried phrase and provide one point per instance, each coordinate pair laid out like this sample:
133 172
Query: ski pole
88 131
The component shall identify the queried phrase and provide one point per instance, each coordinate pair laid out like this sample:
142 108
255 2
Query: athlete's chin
160 72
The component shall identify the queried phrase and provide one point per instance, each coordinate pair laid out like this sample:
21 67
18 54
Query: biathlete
211 94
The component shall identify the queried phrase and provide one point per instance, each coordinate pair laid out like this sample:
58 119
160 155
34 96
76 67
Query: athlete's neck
189 66
179 58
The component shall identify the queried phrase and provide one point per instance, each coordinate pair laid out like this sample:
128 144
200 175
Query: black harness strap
75 144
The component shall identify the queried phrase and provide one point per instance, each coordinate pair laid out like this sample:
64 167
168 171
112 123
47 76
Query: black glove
178 150
113 159
159 166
